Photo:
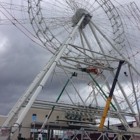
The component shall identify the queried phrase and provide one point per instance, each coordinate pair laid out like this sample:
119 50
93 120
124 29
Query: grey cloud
20 62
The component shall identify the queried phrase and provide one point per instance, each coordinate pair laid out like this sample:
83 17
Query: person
40 136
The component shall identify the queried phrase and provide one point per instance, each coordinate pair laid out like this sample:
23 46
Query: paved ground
3 137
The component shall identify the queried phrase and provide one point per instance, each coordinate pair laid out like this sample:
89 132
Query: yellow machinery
110 97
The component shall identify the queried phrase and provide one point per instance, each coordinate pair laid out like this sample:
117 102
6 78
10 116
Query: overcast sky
20 61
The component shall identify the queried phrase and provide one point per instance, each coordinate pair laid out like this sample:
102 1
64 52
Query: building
64 123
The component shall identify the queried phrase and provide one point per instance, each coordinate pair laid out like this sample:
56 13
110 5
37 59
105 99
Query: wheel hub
78 15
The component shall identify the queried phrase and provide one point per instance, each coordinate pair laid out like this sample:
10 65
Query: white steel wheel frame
51 27
108 40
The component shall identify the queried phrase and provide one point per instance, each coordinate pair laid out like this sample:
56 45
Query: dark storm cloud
20 62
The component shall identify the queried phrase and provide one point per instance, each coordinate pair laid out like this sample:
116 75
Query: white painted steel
81 51
52 64
122 118
115 48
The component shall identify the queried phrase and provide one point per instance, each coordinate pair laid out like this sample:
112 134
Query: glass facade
34 116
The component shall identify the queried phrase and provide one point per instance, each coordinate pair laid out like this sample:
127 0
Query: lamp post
33 130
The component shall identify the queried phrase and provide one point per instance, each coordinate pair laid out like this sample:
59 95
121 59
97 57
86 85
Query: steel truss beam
52 65
59 106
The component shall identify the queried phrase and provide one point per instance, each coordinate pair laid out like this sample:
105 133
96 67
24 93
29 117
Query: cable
22 30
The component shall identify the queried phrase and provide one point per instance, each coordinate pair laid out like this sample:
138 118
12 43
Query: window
33 117
46 116
57 118
33 130
60 133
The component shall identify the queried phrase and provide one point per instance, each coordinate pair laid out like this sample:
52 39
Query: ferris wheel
88 39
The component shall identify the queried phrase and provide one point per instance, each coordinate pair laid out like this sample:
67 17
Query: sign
136 137
85 136
110 135
69 133
4 131
135 124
